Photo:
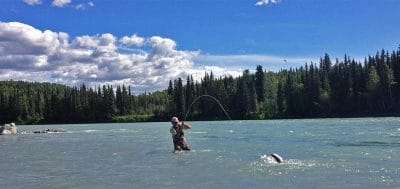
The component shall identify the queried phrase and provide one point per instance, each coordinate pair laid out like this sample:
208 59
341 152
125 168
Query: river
318 153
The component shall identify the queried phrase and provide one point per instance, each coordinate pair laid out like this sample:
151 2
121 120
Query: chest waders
179 139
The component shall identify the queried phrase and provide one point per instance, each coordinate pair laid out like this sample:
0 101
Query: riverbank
152 118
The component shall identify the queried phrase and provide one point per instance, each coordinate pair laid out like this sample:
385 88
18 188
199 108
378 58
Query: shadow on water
368 144
157 152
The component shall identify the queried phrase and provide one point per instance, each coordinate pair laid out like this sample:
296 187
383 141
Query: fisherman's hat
175 120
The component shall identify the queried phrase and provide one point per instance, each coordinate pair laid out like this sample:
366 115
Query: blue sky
175 38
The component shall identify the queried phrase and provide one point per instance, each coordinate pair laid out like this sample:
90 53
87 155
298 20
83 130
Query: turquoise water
319 153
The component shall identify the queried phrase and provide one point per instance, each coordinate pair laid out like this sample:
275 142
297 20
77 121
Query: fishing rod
209 96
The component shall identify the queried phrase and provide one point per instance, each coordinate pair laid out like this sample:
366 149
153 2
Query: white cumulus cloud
265 2
132 40
60 3
33 2
27 53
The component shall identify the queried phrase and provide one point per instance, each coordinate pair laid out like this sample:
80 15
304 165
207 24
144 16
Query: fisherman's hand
186 126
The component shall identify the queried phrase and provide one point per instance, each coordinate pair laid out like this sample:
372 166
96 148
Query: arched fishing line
215 99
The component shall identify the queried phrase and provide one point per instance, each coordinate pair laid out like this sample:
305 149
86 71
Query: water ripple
368 143
269 166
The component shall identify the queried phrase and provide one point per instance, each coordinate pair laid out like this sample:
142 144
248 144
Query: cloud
33 2
265 2
132 40
30 54
60 3
83 6
27 53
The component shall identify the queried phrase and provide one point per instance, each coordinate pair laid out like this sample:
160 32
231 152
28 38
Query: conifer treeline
336 88
25 102
330 89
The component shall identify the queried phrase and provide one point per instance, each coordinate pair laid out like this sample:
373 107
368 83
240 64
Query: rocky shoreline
11 129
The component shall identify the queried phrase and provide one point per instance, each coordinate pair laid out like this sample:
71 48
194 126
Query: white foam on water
26 133
91 131
199 132
119 130
300 163
231 131
267 164
268 159
199 150
31 132
394 133
382 175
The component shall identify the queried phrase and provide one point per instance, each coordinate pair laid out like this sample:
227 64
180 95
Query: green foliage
133 118
345 88
34 103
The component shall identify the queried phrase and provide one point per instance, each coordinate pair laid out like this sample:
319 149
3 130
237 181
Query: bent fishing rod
209 96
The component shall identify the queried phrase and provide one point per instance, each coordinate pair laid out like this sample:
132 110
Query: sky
146 43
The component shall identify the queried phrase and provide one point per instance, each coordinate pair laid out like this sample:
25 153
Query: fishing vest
179 132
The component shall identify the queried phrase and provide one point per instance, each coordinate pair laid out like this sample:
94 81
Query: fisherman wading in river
178 136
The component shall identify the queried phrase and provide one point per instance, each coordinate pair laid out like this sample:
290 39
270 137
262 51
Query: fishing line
215 99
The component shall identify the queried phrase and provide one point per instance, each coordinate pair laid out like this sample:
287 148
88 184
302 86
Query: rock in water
8 129
50 130
53 130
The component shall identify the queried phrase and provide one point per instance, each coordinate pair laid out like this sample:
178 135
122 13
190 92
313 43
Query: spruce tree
260 83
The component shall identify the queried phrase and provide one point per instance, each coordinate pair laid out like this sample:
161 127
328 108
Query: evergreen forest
330 88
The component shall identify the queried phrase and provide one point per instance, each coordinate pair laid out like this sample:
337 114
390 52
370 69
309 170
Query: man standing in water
178 136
